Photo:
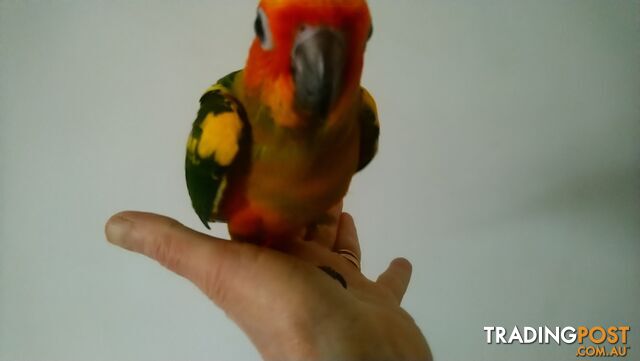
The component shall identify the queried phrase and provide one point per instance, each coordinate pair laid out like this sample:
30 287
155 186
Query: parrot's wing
369 129
217 136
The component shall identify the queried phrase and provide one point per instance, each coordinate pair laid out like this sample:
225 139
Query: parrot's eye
263 32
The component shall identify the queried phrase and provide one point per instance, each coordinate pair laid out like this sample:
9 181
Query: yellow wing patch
220 136
192 143
216 87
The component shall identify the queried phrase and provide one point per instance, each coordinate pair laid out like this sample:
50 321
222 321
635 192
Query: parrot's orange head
306 60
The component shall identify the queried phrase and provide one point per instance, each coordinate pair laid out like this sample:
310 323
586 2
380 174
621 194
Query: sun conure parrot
274 145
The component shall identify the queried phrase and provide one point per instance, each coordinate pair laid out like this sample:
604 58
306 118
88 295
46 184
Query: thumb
210 263
396 277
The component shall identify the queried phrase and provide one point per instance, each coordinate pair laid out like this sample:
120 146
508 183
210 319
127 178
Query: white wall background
508 170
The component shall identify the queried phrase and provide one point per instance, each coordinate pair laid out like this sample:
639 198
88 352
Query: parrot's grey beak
317 63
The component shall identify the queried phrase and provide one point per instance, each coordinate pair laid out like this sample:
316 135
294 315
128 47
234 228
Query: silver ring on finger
350 256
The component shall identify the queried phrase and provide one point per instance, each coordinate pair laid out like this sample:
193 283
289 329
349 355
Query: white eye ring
263 32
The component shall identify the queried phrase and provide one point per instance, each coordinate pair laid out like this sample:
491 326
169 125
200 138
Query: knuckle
222 280
213 285
164 249
215 281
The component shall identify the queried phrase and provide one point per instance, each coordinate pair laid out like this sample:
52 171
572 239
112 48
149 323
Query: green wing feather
205 176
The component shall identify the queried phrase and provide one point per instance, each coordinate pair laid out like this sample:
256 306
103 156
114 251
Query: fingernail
118 229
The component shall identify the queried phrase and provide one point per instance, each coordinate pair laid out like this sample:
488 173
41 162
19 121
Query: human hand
287 306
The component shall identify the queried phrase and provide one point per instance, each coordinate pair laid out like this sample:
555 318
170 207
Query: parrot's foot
247 226
262 239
